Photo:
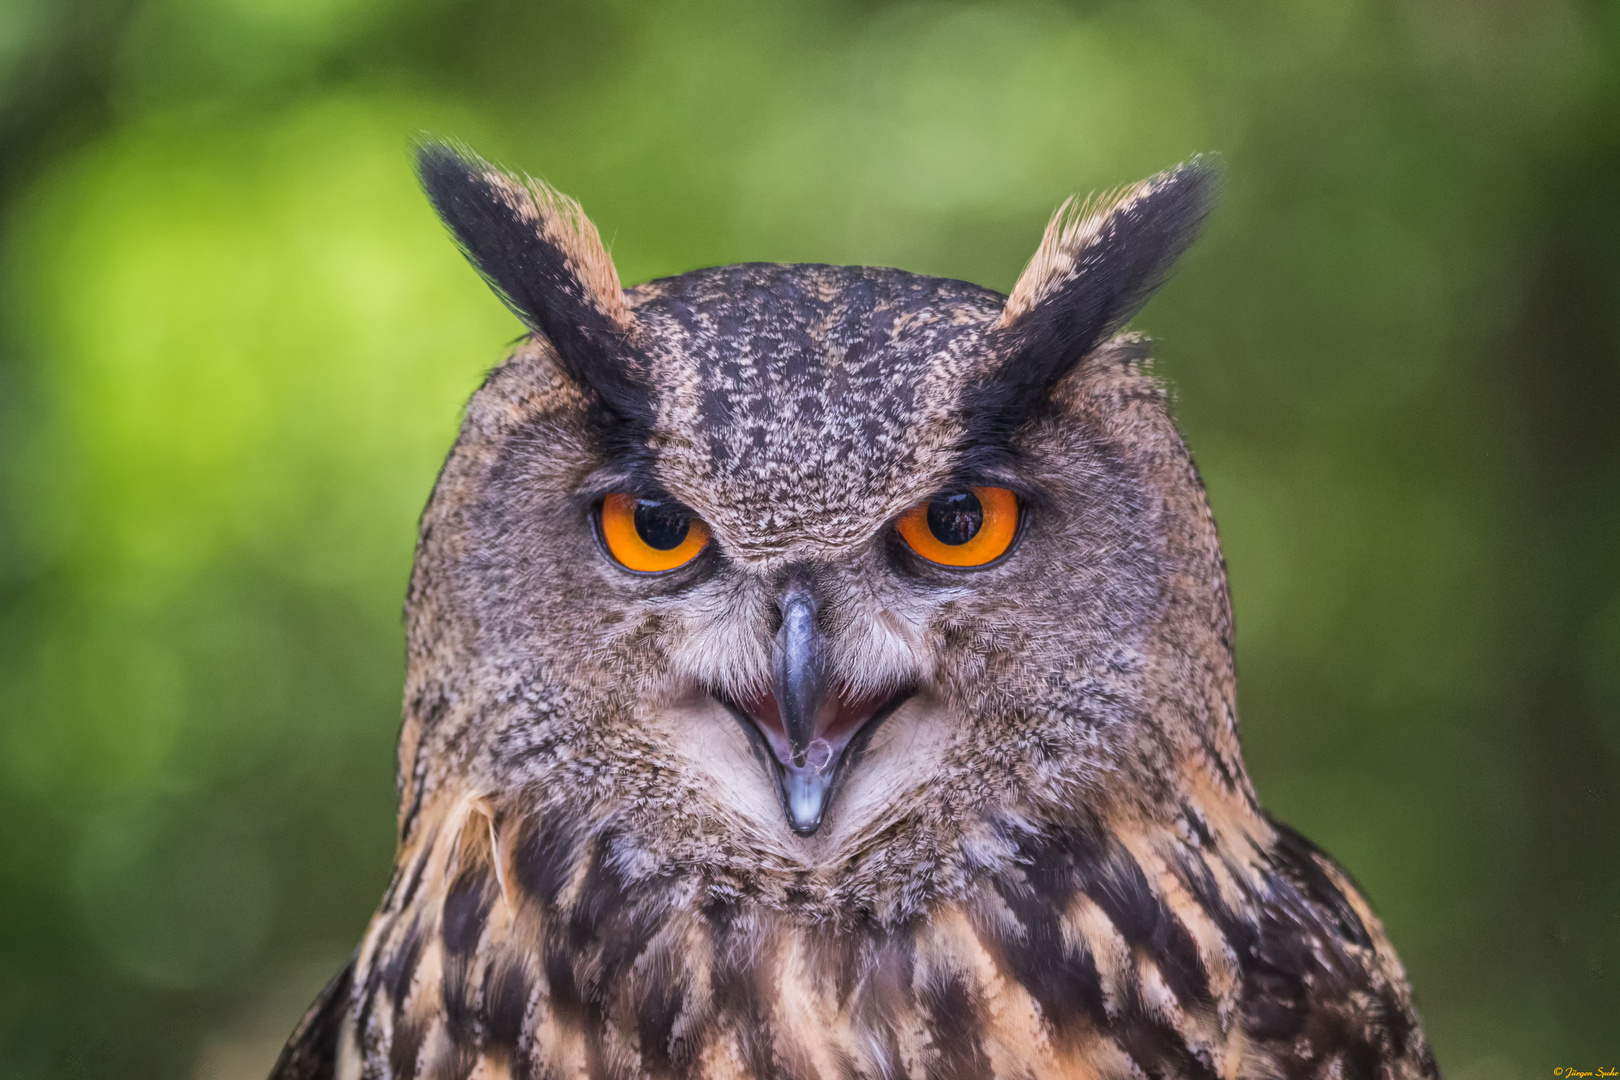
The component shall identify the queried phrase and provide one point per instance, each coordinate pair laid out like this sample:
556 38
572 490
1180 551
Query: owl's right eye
651 536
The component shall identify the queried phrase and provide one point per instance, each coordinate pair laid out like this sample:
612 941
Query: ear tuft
1110 252
1074 226
563 223
512 227
1098 263
545 259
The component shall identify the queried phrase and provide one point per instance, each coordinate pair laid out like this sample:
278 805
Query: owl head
807 582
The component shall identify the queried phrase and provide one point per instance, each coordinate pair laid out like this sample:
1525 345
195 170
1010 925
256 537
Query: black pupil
661 525
955 519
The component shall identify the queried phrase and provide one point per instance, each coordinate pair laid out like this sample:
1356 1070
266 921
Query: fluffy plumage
1047 861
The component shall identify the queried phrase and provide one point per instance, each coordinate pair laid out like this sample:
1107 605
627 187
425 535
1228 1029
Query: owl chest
988 988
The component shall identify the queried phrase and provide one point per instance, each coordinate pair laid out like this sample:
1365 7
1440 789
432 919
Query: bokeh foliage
235 344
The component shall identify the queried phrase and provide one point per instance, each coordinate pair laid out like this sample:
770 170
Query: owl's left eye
962 528
651 536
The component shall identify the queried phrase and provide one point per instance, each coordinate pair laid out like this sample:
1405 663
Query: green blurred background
234 343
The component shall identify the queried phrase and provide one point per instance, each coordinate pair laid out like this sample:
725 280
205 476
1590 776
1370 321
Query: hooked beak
802 725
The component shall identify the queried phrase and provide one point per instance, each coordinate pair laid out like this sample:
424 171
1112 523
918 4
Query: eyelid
599 485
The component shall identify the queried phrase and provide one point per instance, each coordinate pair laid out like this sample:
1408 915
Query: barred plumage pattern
1099 951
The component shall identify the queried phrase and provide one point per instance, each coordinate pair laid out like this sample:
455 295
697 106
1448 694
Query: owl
826 673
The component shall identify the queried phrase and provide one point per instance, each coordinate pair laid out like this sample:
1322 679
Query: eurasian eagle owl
825 672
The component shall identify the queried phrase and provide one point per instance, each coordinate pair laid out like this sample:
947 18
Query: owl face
797 563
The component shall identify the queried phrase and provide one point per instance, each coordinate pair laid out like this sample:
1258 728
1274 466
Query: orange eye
651 535
962 528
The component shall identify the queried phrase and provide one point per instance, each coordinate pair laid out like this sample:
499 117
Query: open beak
803 725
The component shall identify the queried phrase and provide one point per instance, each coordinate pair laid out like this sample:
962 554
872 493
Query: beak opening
803 728
808 779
